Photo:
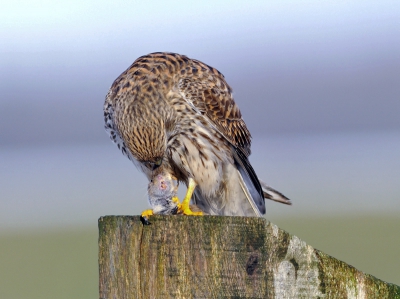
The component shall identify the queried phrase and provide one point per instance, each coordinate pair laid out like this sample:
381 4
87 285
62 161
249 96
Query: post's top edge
205 218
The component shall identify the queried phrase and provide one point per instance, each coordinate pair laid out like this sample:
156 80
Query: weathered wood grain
221 257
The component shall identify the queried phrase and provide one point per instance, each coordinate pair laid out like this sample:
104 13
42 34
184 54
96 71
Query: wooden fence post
221 257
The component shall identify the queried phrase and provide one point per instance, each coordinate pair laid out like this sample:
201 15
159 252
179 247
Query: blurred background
317 83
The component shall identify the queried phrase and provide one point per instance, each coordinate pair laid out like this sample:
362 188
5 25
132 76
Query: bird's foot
176 200
145 216
184 208
188 211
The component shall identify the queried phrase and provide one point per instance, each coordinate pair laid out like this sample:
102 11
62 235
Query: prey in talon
162 195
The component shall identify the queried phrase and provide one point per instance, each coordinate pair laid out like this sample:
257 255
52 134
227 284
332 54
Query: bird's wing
206 90
249 182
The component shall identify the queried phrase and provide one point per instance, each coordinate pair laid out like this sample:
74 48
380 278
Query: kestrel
176 116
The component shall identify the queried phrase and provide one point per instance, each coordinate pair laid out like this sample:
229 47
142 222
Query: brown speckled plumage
169 113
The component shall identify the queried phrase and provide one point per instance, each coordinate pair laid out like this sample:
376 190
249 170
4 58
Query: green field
60 264
63 264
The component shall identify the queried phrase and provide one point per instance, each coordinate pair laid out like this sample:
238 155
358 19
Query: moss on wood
221 257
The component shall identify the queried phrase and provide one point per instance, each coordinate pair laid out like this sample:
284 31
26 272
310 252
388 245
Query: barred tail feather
255 186
274 195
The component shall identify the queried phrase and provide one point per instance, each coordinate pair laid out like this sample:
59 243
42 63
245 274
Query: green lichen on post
118 256
190 250
221 257
348 282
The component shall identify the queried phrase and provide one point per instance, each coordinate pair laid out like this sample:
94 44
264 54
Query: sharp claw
144 217
145 220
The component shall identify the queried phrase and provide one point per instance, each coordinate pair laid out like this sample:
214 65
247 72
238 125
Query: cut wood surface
221 257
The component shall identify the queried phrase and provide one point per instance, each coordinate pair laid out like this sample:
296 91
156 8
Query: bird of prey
174 115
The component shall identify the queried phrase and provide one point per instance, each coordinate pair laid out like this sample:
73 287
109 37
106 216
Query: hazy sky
295 66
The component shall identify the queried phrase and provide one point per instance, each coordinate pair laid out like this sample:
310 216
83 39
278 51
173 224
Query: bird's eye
153 165
157 163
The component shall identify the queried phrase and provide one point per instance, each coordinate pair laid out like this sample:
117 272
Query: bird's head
146 140
143 122
153 164
148 148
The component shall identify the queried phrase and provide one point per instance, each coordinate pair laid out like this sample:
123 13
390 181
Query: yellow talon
175 199
184 207
147 213
188 211
145 216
